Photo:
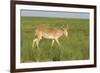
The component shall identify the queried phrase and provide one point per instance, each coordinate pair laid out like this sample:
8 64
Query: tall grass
74 47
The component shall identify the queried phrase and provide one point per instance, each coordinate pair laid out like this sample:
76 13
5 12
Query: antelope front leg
52 43
58 42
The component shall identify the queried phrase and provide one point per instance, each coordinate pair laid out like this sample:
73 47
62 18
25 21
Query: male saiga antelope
49 33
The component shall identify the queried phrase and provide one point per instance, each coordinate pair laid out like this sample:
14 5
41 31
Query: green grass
74 47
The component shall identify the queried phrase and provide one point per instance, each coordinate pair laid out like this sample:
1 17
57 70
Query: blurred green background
74 47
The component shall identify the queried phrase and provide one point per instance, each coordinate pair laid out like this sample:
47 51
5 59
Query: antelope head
65 31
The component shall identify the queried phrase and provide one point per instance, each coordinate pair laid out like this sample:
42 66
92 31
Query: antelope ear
63 29
67 25
62 26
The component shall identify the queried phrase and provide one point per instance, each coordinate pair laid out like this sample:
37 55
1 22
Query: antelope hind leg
34 41
37 43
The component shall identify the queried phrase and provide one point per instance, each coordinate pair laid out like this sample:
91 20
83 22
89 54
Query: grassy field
74 47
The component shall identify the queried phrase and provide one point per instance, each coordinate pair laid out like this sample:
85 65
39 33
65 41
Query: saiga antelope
49 33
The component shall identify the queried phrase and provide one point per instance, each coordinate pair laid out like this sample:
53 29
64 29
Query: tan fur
49 33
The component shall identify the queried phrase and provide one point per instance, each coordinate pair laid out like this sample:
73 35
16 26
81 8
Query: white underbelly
49 37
